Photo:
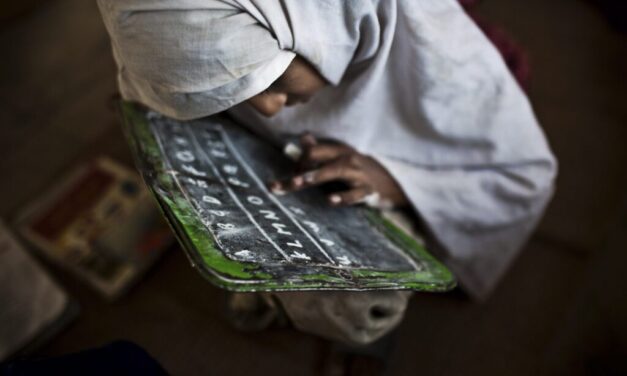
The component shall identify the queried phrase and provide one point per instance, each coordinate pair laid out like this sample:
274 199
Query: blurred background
562 308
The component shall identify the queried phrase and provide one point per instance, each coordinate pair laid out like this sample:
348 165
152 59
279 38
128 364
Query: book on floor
33 307
100 223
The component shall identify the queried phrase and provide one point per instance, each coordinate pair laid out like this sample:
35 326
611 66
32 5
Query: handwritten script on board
210 178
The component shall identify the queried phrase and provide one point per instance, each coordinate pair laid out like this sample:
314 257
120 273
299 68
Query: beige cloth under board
354 318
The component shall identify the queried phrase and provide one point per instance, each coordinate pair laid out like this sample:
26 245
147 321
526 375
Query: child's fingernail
293 151
335 199
309 177
297 181
277 188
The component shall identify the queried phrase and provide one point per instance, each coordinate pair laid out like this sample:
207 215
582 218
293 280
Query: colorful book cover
99 222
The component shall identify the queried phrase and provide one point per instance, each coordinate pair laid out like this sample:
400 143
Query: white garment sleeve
480 217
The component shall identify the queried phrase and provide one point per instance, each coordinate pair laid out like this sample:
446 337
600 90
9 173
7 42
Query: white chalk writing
185 156
279 227
211 200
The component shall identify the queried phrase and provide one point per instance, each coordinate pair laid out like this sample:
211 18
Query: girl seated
422 111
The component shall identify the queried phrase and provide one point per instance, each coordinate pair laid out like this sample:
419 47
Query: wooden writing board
209 177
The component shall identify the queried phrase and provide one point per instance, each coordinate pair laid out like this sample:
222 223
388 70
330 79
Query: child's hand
368 182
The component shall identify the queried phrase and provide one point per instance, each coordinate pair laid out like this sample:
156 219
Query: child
421 108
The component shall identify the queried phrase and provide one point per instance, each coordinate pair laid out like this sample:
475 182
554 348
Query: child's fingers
351 197
307 140
315 153
277 187
281 187
322 153
340 169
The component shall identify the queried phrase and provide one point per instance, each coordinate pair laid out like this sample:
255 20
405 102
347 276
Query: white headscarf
413 83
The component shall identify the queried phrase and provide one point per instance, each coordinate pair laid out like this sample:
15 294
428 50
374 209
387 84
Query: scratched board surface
209 177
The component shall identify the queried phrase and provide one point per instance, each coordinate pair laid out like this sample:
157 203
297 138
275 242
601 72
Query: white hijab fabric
415 84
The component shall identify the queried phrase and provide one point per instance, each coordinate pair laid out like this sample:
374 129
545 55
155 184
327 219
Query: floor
552 311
